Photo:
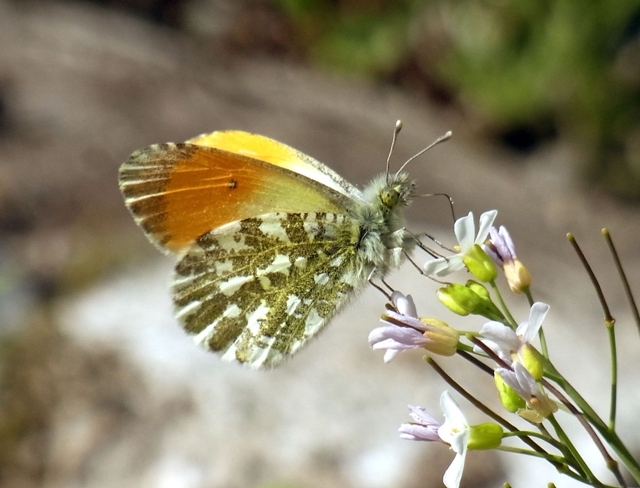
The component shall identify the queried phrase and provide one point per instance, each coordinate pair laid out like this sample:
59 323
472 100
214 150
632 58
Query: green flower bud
486 308
531 360
464 300
459 299
479 288
484 436
480 264
510 400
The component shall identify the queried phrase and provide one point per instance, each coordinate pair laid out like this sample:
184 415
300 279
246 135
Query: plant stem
504 307
623 278
610 462
566 441
614 374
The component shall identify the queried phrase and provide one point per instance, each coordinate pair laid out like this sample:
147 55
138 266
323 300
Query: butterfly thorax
380 221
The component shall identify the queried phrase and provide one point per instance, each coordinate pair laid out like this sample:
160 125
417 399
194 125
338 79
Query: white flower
506 342
464 229
455 431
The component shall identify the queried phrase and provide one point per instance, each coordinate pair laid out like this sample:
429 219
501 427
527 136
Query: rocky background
100 387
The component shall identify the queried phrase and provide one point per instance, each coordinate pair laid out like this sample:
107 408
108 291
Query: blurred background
99 387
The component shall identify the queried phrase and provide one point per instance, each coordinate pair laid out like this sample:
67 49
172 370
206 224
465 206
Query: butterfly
270 242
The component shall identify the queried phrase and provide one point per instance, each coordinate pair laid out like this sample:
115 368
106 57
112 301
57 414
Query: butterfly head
397 191
390 192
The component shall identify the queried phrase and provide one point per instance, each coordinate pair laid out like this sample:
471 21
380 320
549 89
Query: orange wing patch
178 192
274 152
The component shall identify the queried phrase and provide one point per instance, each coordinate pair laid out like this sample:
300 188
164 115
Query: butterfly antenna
442 138
396 131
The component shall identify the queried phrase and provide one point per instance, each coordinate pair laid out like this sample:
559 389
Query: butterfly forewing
257 289
279 154
178 192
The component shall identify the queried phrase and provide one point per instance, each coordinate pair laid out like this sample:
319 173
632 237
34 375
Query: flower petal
511 379
396 338
398 320
404 304
455 420
486 221
425 427
502 336
465 229
443 266
526 381
527 330
420 415
390 354
453 475
416 432
507 242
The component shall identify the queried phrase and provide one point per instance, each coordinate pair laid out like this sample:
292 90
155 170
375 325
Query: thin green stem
566 441
610 436
530 433
611 329
623 278
609 321
470 398
561 447
527 292
528 452
605 431
543 343
558 461
592 277
503 305
611 463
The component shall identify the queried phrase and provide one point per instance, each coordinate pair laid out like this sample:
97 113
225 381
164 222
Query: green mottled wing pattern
256 290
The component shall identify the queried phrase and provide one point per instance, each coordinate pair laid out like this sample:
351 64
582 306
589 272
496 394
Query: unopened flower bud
517 276
442 339
487 309
502 251
464 300
485 436
480 264
459 299
510 400
530 359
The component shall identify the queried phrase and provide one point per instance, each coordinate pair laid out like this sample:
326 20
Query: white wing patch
257 290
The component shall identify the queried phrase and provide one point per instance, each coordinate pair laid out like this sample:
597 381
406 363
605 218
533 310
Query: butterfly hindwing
257 289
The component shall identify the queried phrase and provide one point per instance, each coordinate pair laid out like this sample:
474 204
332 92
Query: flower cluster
524 378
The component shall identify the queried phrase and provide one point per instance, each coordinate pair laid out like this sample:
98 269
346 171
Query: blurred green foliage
563 67
358 37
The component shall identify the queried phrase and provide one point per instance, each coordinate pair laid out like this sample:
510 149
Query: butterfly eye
389 197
